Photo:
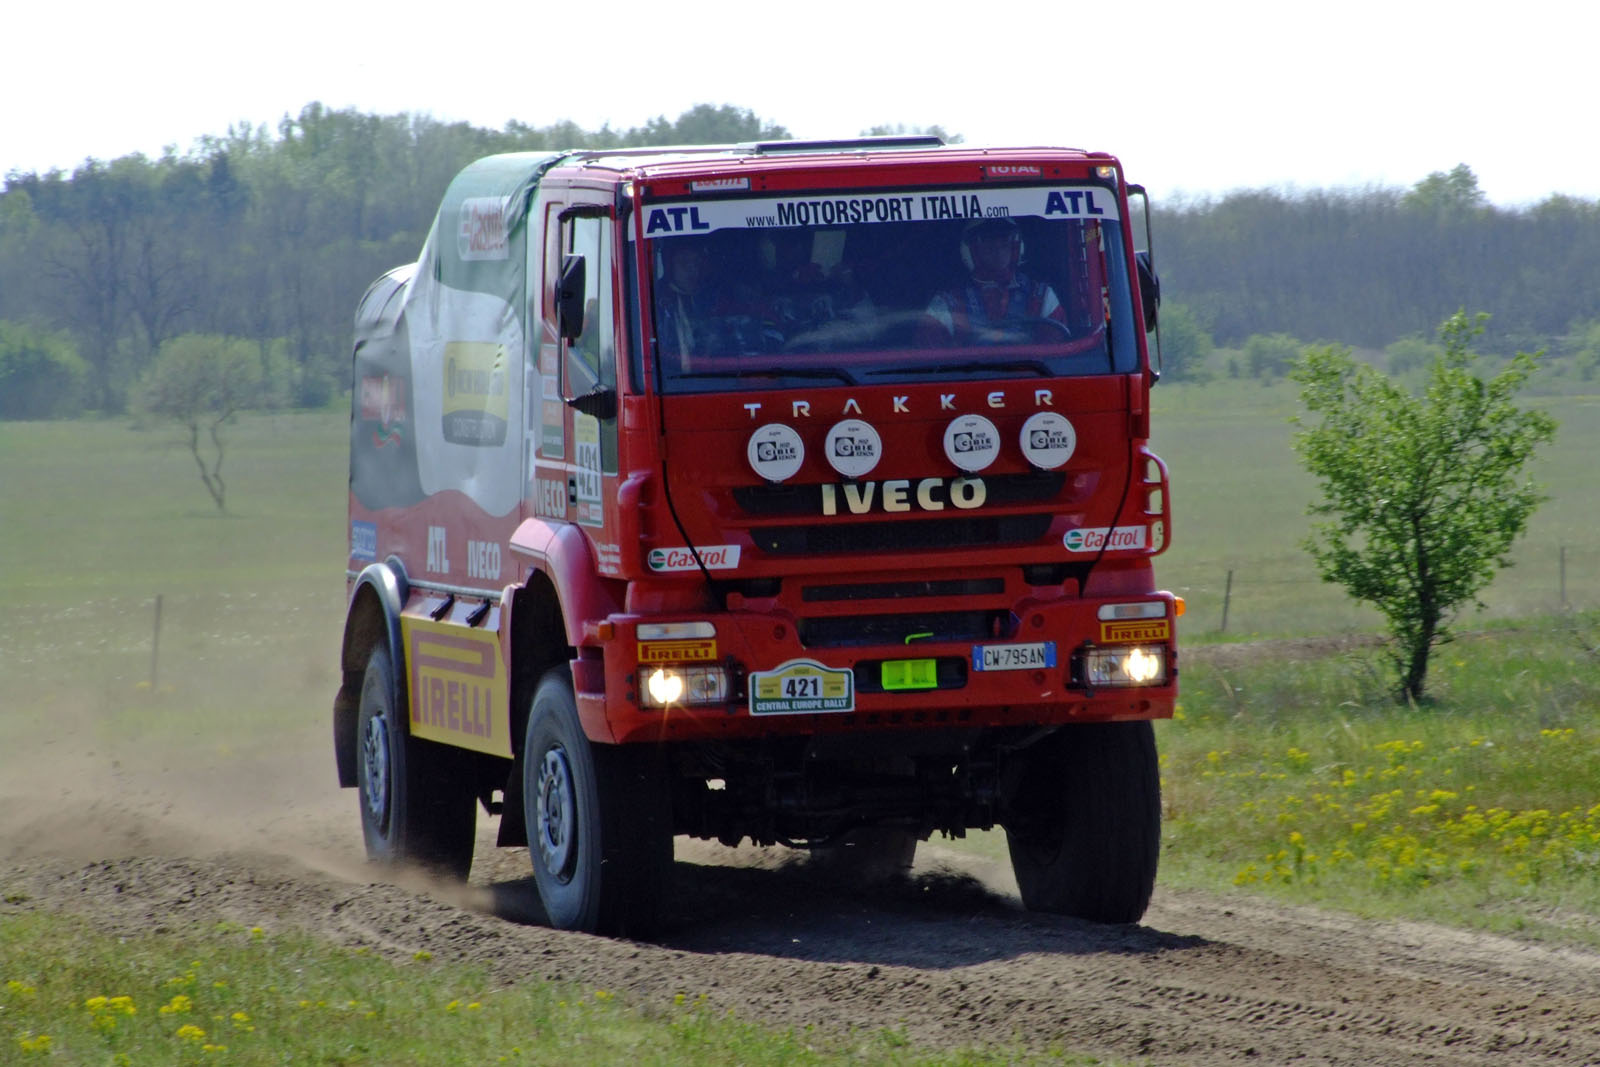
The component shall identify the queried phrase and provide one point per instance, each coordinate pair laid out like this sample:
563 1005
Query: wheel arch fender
560 552
547 611
373 618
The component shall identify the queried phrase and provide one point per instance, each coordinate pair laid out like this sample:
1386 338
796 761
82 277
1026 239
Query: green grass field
1239 500
229 994
1299 777
1290 775
100 520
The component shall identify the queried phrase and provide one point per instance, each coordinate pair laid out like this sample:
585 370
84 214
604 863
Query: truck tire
599 821
1083 821
416 808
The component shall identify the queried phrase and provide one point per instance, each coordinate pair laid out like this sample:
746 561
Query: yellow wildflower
35 1043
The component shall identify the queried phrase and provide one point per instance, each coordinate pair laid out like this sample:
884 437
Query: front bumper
1042 663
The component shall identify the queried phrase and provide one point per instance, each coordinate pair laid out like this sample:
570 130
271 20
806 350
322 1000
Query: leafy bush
1586 348
1271 356
1411 354
41 374
1185 345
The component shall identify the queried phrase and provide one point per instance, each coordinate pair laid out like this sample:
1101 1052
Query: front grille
841 630
901 535
822 594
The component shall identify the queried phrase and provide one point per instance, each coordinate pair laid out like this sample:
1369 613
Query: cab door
587 330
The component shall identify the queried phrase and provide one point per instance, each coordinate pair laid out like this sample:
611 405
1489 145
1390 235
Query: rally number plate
801 687
1014 657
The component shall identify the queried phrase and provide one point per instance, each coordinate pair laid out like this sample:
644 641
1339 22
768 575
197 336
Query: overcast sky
1196 98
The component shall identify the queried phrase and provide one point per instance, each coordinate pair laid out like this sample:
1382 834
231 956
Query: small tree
1424 493
201 381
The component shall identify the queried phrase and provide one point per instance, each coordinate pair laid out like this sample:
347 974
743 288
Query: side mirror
569 298
1149 289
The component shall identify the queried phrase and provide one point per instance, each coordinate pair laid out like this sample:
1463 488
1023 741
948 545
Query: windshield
924 285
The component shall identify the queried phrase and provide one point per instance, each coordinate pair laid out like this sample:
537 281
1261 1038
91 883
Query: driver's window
591 356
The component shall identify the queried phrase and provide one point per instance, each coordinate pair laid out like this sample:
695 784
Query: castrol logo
1104 538
482 231
713 557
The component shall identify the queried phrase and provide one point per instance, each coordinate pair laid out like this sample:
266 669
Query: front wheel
1083 821
599 821
416 807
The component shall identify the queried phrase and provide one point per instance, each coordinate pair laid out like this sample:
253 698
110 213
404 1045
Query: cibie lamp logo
971 442
775 452
853 448
1048 440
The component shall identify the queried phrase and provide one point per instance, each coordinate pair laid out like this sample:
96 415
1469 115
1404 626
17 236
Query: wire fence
1244 599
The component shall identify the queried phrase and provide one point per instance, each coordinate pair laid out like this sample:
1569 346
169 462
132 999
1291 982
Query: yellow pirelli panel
686 650
458 686
1137 630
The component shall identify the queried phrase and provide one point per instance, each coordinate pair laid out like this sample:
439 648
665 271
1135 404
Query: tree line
268 237
1267 272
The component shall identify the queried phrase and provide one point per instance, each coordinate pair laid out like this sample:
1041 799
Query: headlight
1123 665
672 685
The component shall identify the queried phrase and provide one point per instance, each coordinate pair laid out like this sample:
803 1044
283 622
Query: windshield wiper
836 373
977 366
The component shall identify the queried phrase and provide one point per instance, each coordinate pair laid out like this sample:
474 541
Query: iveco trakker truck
791 492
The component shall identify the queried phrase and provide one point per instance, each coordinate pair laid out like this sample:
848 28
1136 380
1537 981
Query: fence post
155 648
1563 577
1227 595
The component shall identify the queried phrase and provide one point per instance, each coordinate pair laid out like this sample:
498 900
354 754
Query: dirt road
948 956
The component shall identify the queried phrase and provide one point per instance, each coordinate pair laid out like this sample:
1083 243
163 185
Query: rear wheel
416 806
1083 821
599 821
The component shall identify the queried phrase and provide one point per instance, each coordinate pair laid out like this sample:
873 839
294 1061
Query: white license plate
1014 657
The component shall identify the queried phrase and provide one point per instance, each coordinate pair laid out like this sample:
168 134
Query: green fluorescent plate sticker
900 674
801 687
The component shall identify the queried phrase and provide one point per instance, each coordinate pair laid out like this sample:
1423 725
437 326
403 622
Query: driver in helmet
999 304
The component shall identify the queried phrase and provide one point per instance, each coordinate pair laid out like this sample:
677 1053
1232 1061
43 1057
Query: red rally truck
792 491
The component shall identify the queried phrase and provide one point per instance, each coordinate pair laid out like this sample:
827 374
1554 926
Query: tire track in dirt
948 957
943 957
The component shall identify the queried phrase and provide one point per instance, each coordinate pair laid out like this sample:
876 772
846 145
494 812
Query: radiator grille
823 594
840 630
902 535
